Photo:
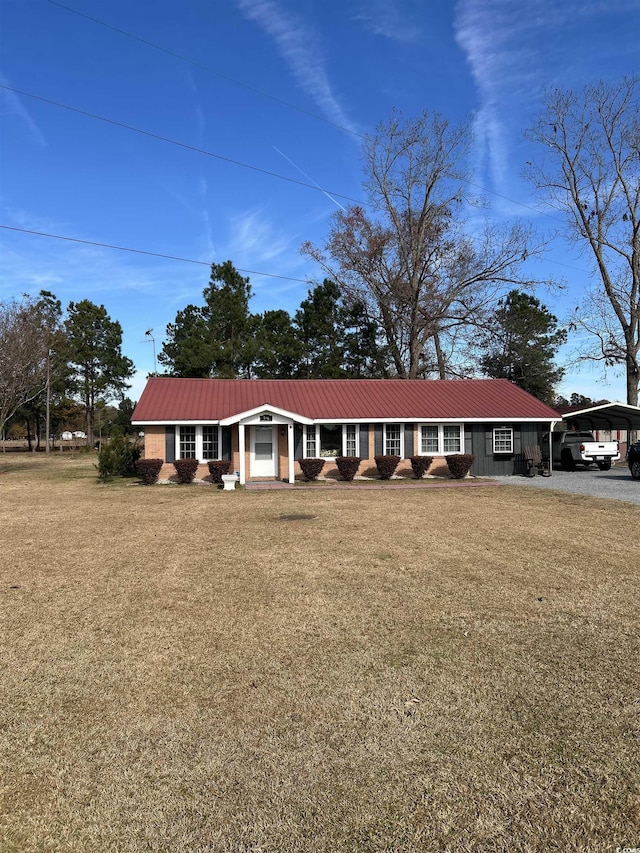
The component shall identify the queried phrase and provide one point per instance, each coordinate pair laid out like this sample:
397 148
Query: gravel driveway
616 484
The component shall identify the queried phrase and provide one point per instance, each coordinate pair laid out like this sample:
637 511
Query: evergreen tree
188 352
100 371
278 350
215 339
320 327
522 343
364 357
122 420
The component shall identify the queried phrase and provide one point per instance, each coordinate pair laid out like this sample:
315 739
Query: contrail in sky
309 178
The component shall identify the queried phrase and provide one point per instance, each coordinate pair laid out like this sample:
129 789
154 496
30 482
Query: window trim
503 429
199 454
385 449
314 431
441 450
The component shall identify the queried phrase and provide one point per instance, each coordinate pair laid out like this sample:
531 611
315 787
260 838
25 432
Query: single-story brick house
265 426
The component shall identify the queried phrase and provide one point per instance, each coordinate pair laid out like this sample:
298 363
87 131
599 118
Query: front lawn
186 669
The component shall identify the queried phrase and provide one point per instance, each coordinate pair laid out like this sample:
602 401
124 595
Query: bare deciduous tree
421 276
23 355
591 172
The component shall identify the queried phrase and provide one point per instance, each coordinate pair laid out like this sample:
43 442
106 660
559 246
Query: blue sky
287 86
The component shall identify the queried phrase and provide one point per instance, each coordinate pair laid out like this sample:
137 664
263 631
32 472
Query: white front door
263 457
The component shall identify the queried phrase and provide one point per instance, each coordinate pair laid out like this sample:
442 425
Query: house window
331 440
199 442
451 439
310 442
350 440
429 441
187 442
393 440
210 443
503 440
441 439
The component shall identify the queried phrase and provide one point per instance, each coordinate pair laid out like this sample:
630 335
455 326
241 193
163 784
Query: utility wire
192 261
143 252
207 68
178 143
224 159
277 100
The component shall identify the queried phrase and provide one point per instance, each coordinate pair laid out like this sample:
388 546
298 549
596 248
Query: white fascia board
601 407
252 413
182 422
423 420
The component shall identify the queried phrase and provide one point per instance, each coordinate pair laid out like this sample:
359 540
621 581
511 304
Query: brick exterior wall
154 448
154 445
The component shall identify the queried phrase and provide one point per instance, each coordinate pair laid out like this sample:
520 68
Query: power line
144 252
277 100
237 162
207 68
178 143
201 263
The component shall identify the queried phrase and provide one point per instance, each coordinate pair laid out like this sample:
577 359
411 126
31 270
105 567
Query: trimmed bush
311 468
218 467
386 466
149 470
459 464
420 465
186 469
348 466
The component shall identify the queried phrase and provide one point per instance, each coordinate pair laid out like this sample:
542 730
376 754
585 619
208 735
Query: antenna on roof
149 334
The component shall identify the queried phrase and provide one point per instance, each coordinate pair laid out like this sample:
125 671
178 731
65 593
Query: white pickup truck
571 448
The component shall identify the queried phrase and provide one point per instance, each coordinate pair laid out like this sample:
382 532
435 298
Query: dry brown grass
426 670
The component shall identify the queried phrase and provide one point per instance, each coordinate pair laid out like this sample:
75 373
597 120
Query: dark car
633 458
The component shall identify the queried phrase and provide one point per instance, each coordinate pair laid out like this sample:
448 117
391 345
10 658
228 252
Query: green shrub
117 458
218 467
149 470
386 466
348 466
186 469
420 465
311 468
459 464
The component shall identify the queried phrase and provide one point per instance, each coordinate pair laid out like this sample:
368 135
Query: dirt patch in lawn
400 670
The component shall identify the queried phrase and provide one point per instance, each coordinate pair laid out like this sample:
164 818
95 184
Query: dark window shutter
488 442
408 440
226 442
517 440
297 441
377 439
364 441
170 444
467 443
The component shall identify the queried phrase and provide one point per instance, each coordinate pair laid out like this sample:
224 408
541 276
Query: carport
611 416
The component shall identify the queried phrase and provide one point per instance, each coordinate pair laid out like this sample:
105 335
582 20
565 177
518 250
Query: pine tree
522 343
99 369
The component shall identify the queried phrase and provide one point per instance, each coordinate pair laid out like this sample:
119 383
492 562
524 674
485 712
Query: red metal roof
168 399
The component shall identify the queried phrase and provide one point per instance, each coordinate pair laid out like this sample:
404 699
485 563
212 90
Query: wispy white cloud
299 45
517 50
255 240
496 38
390 19
14 106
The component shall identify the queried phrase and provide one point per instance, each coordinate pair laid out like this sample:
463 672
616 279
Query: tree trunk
442 364
633 377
